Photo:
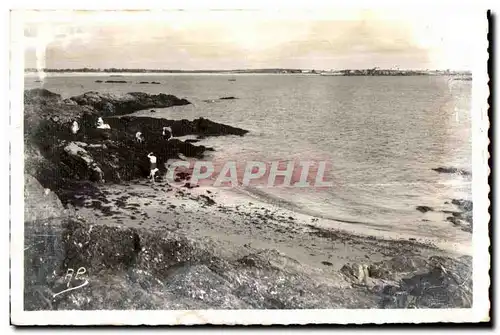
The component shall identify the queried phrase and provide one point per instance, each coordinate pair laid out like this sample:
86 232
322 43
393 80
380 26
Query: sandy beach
242 225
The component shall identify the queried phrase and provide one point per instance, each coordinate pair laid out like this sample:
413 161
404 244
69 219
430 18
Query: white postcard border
480 234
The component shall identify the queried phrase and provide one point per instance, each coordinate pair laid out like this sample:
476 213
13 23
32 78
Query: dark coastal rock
141 269
444 282
464 205
209 201
144 82
55 156
462 219
116 81
114 104
98 81
453 219
40 203
125 267
180 176
82 163
424 209
452 170
152 127
155 83
69 102
219 99
393 268
271 259
357 273
43 108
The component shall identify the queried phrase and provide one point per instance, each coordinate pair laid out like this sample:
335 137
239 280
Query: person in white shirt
167 133
75 127
154 169
138 137
101 124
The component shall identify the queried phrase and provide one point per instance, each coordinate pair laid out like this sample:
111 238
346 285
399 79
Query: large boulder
358 273
40 203
443 283
119 104
396 266
83 163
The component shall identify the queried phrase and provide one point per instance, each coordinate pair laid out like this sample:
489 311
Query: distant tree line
118 70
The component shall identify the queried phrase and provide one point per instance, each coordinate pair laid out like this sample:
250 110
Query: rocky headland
57 157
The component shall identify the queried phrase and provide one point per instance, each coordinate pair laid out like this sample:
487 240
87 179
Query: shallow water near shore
382 136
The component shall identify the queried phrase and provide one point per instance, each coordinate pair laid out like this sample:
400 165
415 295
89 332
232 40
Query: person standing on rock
75 127
139 137
154 169
167 133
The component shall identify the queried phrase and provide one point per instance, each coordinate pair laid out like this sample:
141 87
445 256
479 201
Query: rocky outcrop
220 99
127 268
47 116
438 282
463 218
464 205
151 127
56 156
115 104
452 170
41 203
356 272
82 163
417 282
424 209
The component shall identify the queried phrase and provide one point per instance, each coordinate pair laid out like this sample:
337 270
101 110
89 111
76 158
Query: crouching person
139 137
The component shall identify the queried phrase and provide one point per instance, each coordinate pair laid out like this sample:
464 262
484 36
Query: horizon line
112 69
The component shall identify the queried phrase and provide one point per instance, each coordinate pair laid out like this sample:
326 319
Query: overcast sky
243 39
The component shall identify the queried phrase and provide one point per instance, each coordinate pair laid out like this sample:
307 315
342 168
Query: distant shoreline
347 72
123 74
